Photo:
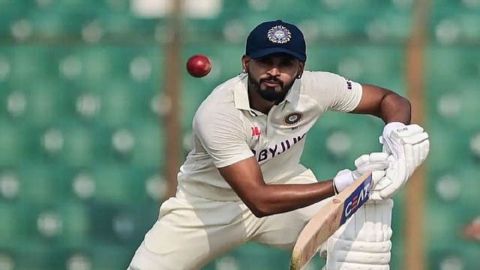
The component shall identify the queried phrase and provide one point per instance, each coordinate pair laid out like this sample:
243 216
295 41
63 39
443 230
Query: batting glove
396 134
376 163
409 147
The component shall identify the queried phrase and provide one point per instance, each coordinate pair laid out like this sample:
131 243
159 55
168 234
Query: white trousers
191 231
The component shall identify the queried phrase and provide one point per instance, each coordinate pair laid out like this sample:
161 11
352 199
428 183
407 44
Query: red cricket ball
199 65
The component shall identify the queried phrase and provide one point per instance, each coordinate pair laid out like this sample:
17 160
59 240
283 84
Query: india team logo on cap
279 34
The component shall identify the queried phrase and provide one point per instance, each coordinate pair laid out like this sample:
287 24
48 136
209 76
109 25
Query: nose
274 71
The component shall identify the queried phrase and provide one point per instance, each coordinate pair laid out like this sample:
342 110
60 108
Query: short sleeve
222 136
347 95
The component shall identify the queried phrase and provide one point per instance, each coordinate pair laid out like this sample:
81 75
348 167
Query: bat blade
328 219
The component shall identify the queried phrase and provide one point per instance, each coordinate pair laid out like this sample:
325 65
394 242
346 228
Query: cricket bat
328 219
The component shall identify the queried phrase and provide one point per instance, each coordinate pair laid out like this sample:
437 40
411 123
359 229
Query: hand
396 134
376 163
409 147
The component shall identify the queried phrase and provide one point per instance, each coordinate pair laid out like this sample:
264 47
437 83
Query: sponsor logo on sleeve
349 85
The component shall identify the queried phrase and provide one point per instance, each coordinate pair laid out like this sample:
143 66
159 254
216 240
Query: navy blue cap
276 37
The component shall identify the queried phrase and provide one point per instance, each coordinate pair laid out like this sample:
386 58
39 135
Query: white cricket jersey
226 130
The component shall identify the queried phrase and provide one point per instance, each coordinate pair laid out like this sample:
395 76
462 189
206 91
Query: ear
301 66
245 61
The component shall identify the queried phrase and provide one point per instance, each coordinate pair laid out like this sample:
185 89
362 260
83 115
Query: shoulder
321 82
220 104
331 90
321 78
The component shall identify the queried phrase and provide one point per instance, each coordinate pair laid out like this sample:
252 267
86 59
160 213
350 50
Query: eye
265 61
287 62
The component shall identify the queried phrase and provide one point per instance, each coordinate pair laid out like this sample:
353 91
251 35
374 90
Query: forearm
279 198
246 179
395 108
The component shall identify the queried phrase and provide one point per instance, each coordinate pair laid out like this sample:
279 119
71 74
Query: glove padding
409 147
376 163
397 134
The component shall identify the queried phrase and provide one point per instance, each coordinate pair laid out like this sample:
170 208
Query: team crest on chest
293 118
279 34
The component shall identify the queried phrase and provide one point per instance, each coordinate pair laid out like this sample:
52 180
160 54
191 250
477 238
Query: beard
273 94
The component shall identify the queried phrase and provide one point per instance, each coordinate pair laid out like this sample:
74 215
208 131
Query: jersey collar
294 94
241 93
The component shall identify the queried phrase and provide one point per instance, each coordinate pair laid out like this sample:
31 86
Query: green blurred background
83 106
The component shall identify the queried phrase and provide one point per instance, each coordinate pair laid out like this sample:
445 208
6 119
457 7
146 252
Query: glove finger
378 157
416 138
365 163
396 173
363 159
394 148
421 153
372 166
377 176
375 167
417 149
391 189
425 149
381 162
382 183
410 165
386 149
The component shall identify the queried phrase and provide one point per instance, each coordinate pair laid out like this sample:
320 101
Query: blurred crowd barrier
82 136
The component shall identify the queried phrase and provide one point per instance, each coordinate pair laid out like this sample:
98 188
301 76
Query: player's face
272 76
